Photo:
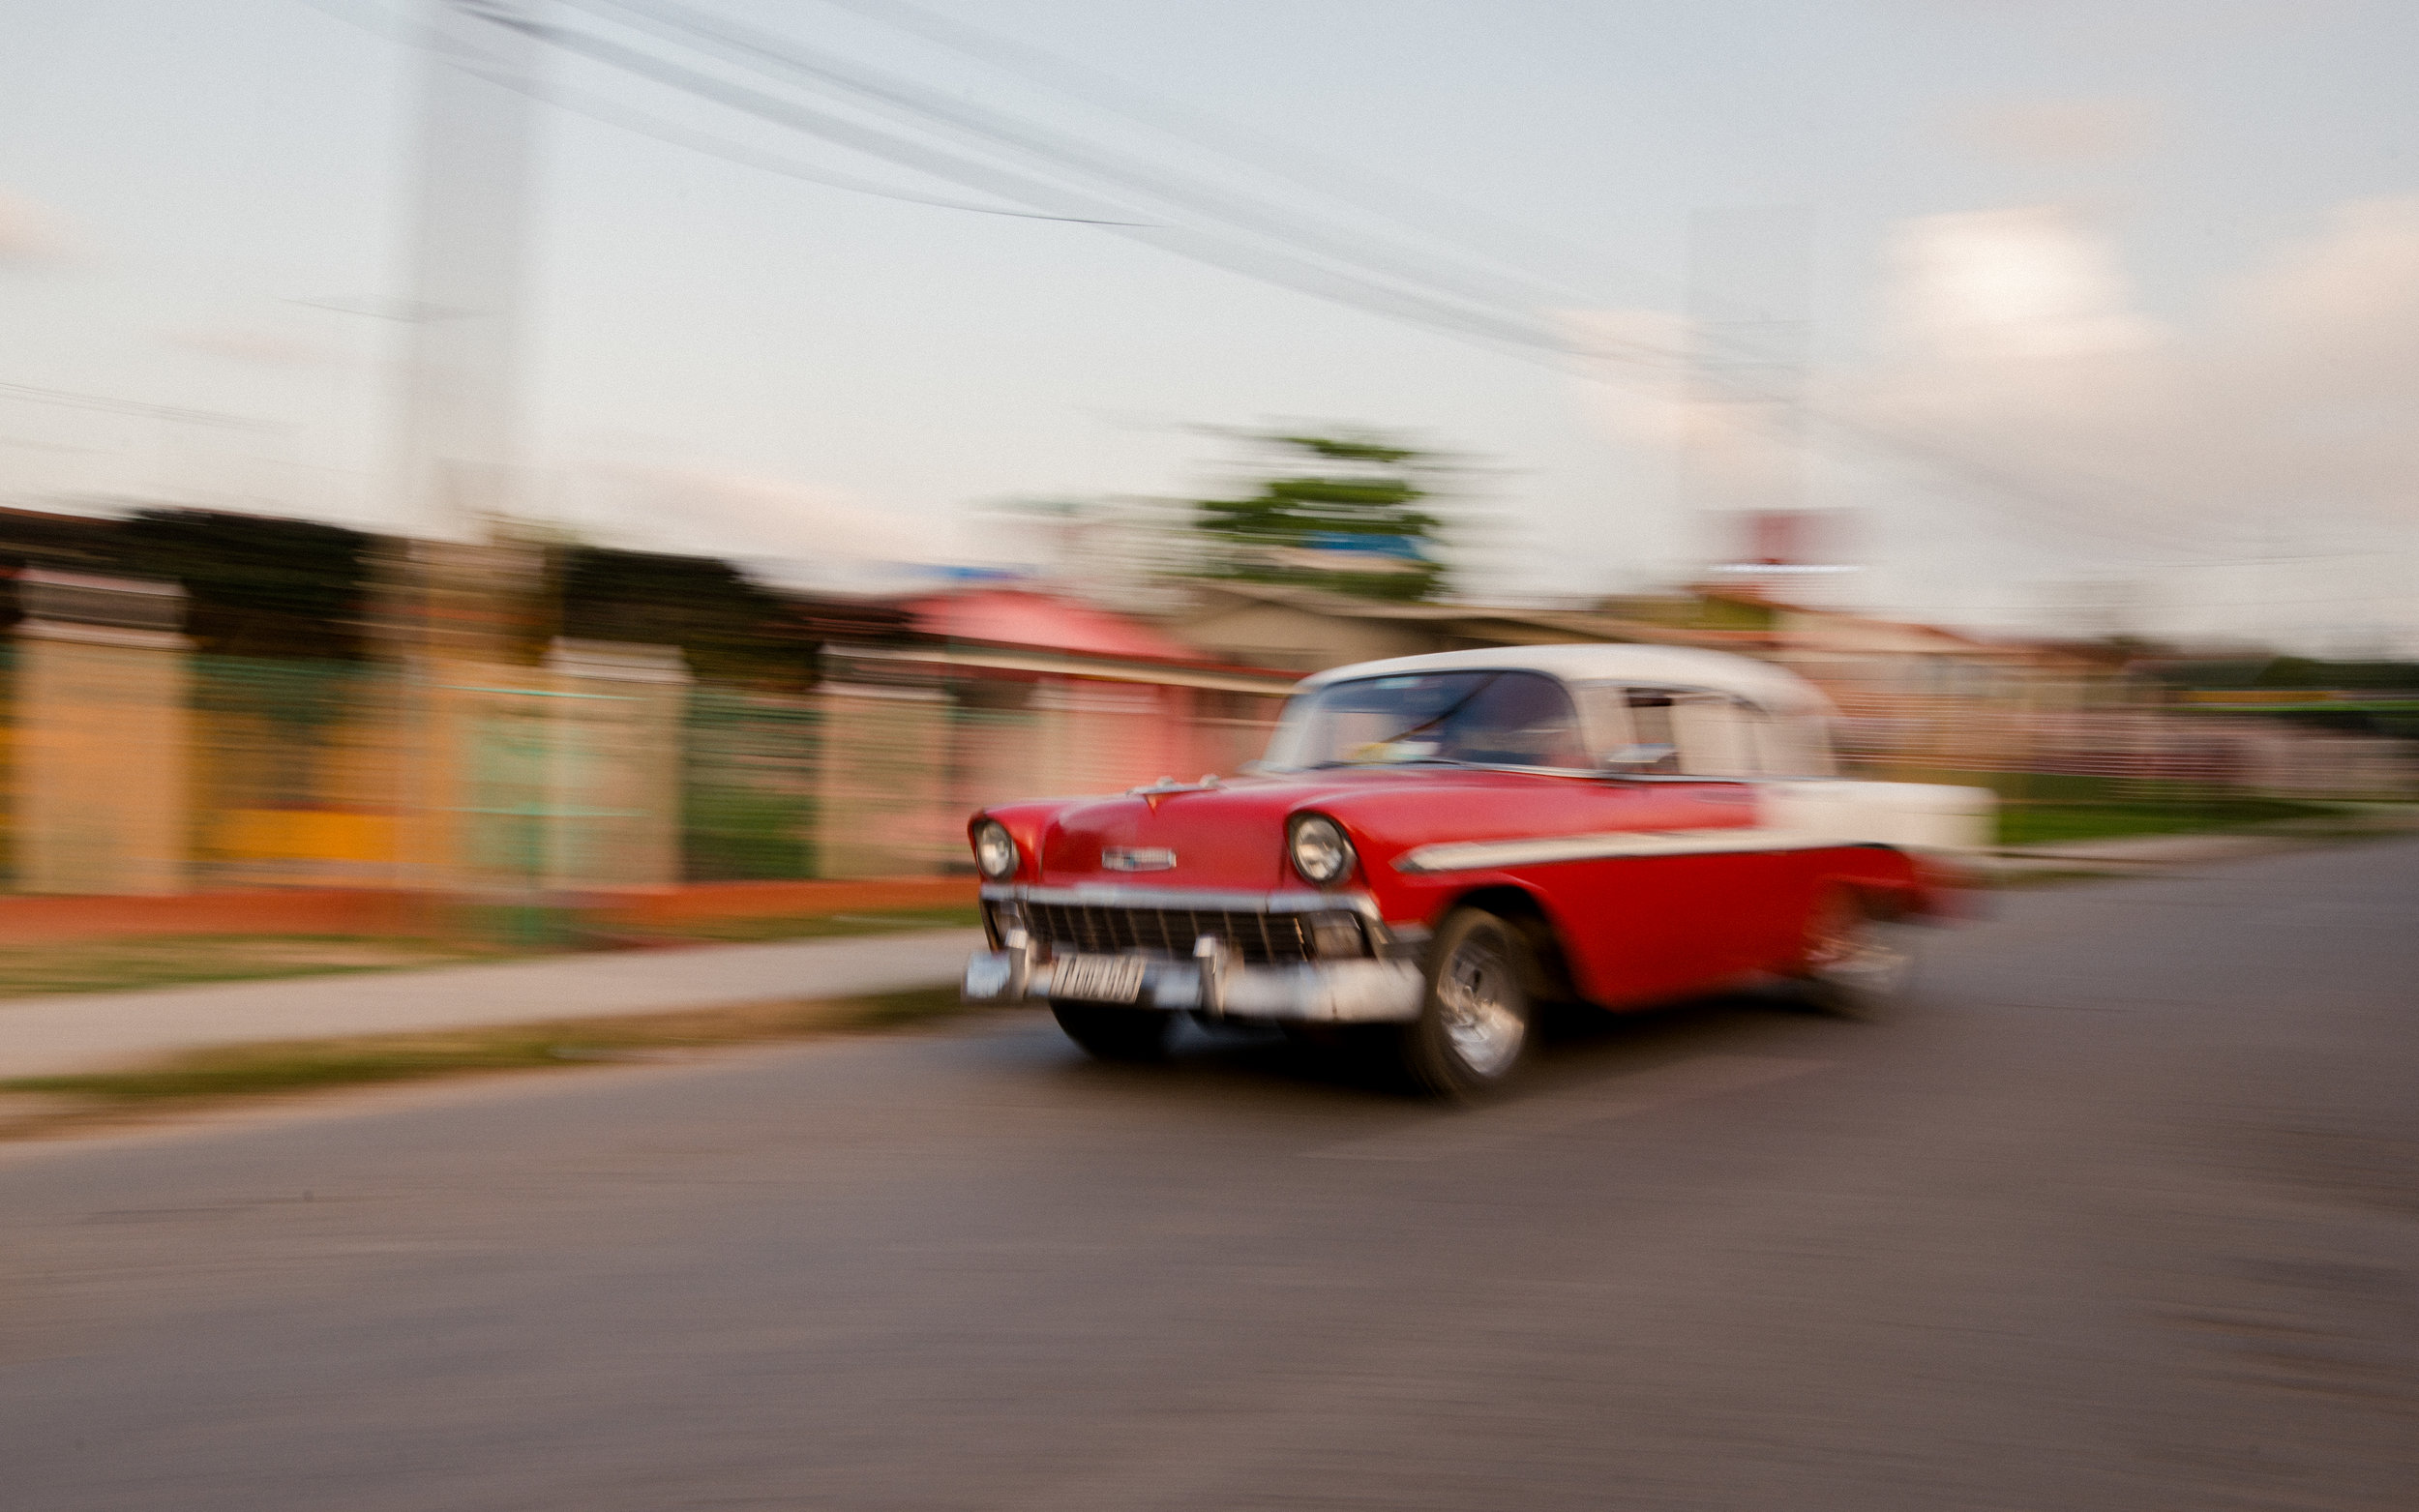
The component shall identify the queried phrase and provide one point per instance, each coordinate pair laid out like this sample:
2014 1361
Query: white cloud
2272 431
2009 283
2293 396
2075 436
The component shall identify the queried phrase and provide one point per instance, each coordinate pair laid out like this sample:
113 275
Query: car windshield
1477 717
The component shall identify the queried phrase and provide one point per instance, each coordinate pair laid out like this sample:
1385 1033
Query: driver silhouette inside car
1515 720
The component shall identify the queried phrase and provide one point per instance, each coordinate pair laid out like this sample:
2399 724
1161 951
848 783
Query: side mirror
1637 759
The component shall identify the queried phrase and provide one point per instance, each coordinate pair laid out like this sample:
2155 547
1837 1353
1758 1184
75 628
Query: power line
1305 278
1340 285
35 395
1303 166
1374 281
1452 306
1447 296
758 49
597 107
848 134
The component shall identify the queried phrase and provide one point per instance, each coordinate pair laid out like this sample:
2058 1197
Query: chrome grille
1259 938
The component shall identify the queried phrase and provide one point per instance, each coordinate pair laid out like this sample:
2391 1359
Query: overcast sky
2114 307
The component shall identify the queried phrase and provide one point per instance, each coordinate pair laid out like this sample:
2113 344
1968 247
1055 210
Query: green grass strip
291 1066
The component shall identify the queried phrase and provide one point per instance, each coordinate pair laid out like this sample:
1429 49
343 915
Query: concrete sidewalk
45 1036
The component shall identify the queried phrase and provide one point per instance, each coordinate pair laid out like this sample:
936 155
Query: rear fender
1899 885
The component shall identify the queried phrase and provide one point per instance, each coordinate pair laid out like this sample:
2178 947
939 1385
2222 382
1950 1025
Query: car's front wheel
1115 1033
1476 1018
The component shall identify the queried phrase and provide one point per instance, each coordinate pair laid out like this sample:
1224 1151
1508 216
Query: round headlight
1321 853
995 851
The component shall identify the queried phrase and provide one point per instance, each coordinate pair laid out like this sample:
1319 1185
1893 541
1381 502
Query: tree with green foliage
260 587
732 628
1337 511
256 585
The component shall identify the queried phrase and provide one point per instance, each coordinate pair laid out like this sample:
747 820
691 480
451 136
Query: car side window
1713 736
1653 734
1603 718
1764 742
1792 745
1697 732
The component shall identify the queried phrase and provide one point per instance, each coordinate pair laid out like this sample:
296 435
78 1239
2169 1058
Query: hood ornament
1165 785
1138 858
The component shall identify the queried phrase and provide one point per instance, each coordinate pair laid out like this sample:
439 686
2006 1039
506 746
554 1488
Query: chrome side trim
1111 895
1428 764
1490 855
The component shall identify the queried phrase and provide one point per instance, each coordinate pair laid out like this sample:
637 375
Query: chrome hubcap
1851 952
1475 994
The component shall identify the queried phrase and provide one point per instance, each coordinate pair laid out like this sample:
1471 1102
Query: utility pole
1742 468
473 733
464 590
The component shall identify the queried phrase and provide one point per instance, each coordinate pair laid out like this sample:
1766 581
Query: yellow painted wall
102 770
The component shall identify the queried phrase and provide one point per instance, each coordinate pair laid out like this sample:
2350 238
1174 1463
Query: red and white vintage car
1434 845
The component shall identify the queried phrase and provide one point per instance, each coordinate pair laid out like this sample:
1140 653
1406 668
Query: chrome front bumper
1384 988
1319 991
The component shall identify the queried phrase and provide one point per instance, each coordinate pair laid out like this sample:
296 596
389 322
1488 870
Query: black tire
1858 963
1476 1019
1127 1034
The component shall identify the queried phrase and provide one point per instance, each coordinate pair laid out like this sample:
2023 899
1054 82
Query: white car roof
1760 683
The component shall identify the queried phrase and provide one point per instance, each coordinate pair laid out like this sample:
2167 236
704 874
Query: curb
2123 853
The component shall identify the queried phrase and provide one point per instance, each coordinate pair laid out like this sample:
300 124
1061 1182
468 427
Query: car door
1744 889
1771 886
1655 915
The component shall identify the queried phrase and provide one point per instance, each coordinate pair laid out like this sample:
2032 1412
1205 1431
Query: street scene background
528 528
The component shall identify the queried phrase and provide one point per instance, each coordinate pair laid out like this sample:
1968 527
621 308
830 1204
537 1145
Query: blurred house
2091 716
1310 630
1913 694
999 692
1916 699
2298 725
1010 615
199 701
1307 630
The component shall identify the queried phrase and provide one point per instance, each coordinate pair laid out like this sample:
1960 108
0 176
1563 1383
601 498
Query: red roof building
1023 617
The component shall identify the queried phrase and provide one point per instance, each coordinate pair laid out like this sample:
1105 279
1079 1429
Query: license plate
1098 979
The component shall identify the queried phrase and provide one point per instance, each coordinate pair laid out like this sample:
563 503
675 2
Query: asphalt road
2124 1215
